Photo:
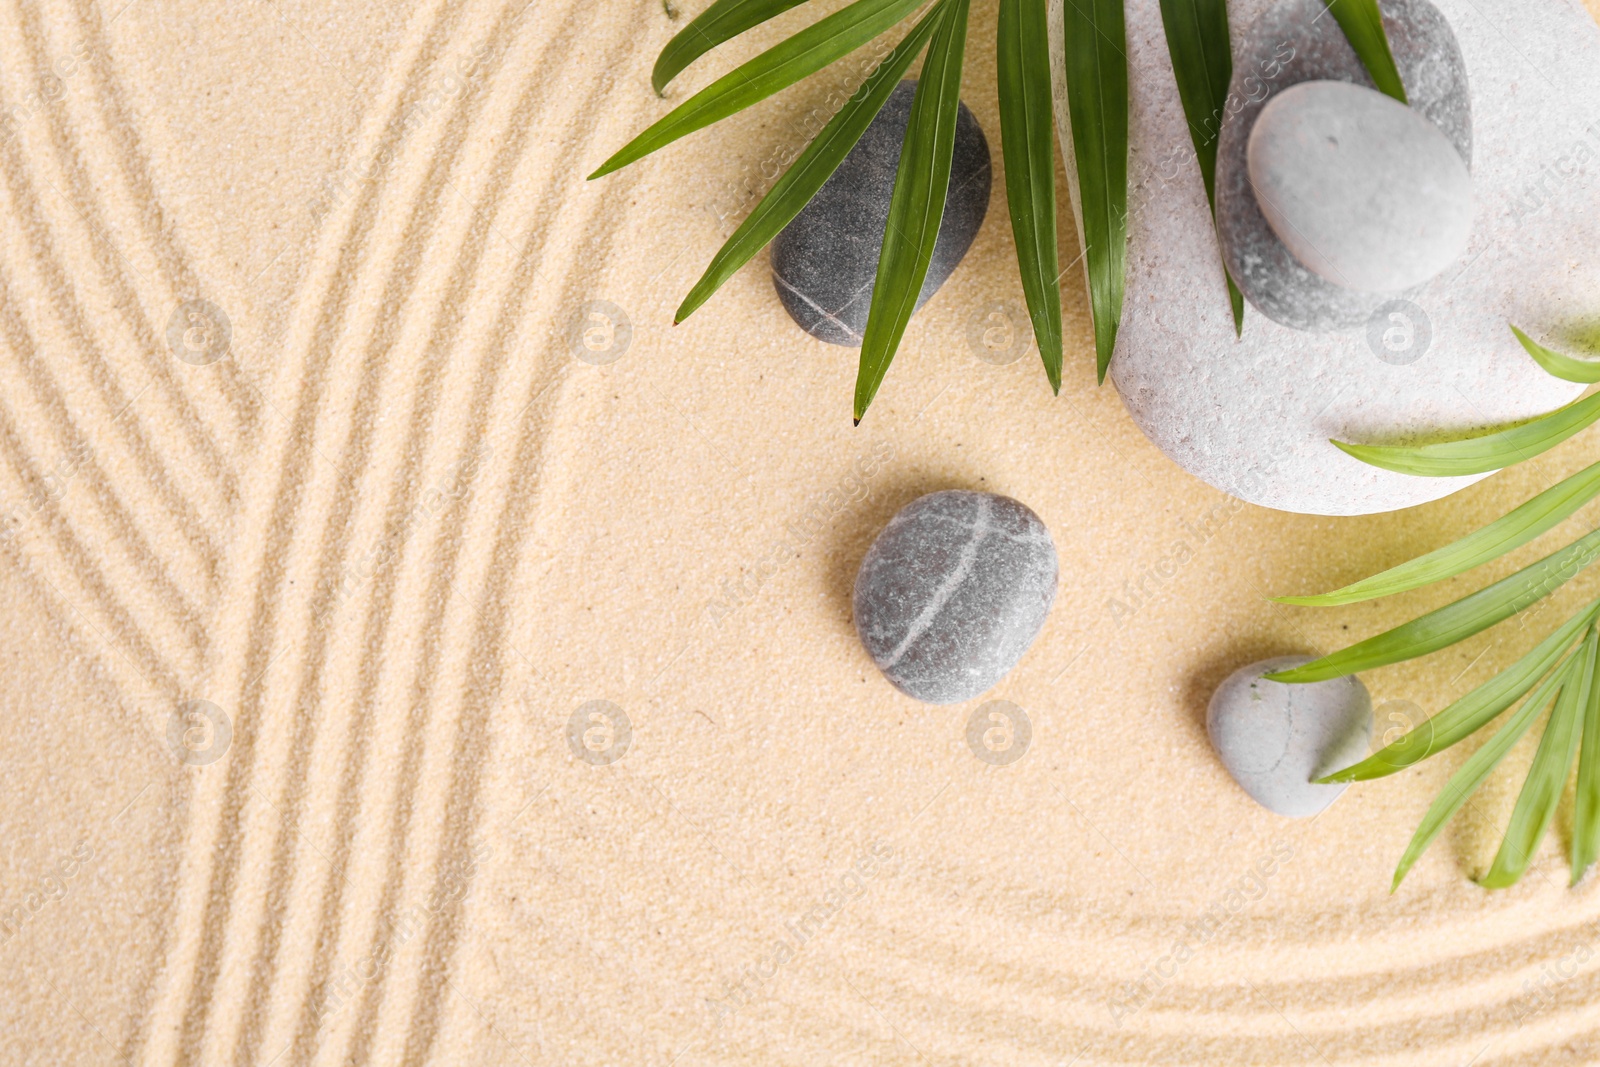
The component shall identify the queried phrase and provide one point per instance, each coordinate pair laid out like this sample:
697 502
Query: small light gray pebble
1274 738
1359 187
1289 44
825 261
953 592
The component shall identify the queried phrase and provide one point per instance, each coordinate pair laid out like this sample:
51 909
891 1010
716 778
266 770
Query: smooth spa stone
1359 187
825 261
1253 415
1272 277
1275 738
953 592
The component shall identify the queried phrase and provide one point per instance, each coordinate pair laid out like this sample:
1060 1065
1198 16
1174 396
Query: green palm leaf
1202 63
1027 142
1486 452
1546 777
1512 530
1586 371
1474 710
1096 67
721 22
811 169
917 206
1453 622
1363 26
1586 809
1477 768
777 68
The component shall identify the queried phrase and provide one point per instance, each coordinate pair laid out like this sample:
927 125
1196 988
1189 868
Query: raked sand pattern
419 651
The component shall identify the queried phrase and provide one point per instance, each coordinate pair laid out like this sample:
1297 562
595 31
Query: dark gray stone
953 592
825 261
1293 42
1274 738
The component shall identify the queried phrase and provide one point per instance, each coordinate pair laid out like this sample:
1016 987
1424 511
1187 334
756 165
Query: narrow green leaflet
1476 769
1486 452
1546 777
1096 66
808 172
1027 140
1586 809
721 22
917 206
1202 62
1236 302
1512 530
1586 371
777 68
1363 26
1453 622
1472 711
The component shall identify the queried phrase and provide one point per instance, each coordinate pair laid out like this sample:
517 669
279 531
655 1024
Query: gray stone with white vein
825 261
953 592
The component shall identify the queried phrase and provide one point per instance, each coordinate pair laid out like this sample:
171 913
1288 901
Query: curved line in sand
460 797
160 236
210 875
111 262
461 793
72 316
121 524
374 639
248 741
402 490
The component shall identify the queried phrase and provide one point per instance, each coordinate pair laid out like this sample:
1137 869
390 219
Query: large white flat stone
1253 416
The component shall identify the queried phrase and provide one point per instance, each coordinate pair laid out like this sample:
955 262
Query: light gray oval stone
1292 43
1359 187
1274 738
825 261
953 592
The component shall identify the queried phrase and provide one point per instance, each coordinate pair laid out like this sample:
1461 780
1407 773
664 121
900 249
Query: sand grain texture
401 531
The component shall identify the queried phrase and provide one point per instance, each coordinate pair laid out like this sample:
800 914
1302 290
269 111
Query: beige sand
400 533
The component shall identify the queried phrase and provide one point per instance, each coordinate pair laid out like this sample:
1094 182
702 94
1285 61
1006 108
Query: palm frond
811 170
1510 531
1556 364
1027 141
1202 63
1548 775
779 67
721 22
1096 67
1362 24
1573 730
1445 626
1485 452
916 207
1475 771
1473 711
